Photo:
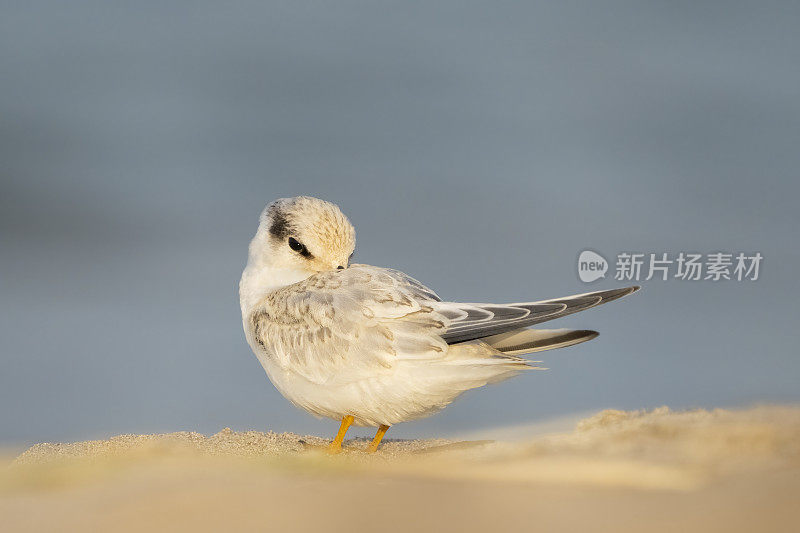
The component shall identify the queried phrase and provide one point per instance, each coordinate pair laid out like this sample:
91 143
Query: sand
701 470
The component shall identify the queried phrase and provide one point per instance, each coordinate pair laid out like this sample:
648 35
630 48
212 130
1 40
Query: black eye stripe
280 226
299 247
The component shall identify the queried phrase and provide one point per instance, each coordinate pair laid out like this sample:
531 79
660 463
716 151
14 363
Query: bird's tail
524 341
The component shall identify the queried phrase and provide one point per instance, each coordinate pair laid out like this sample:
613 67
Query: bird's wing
475 321
525 341
354 322
349 324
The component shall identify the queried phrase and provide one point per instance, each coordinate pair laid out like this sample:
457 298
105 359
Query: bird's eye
298 247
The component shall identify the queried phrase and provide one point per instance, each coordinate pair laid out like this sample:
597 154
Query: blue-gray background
478 146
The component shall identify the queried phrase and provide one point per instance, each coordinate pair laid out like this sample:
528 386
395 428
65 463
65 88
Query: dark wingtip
616 294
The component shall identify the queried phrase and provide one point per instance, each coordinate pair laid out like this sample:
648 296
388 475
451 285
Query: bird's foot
334 448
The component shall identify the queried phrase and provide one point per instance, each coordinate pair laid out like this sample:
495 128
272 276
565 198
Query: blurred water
478 147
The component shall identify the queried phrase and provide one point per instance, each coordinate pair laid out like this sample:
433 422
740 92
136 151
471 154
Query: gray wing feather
525 341
481 320
476 321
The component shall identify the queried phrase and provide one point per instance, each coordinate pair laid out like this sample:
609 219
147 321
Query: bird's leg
336 445
373 447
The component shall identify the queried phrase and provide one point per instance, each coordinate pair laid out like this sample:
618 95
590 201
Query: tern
372 346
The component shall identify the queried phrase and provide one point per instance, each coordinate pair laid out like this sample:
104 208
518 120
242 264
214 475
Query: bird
372 346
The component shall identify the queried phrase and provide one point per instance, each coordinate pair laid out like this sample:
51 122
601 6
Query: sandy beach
702 470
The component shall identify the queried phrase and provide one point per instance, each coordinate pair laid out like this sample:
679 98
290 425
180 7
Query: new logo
591 266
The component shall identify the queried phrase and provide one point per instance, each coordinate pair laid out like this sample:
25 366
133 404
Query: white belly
388 399
411 390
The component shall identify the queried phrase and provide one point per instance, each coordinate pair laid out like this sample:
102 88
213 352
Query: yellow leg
373 447
336 445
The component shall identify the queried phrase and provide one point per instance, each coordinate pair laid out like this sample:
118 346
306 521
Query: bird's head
302 236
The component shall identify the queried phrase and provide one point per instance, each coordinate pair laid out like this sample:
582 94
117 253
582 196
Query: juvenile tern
372 346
